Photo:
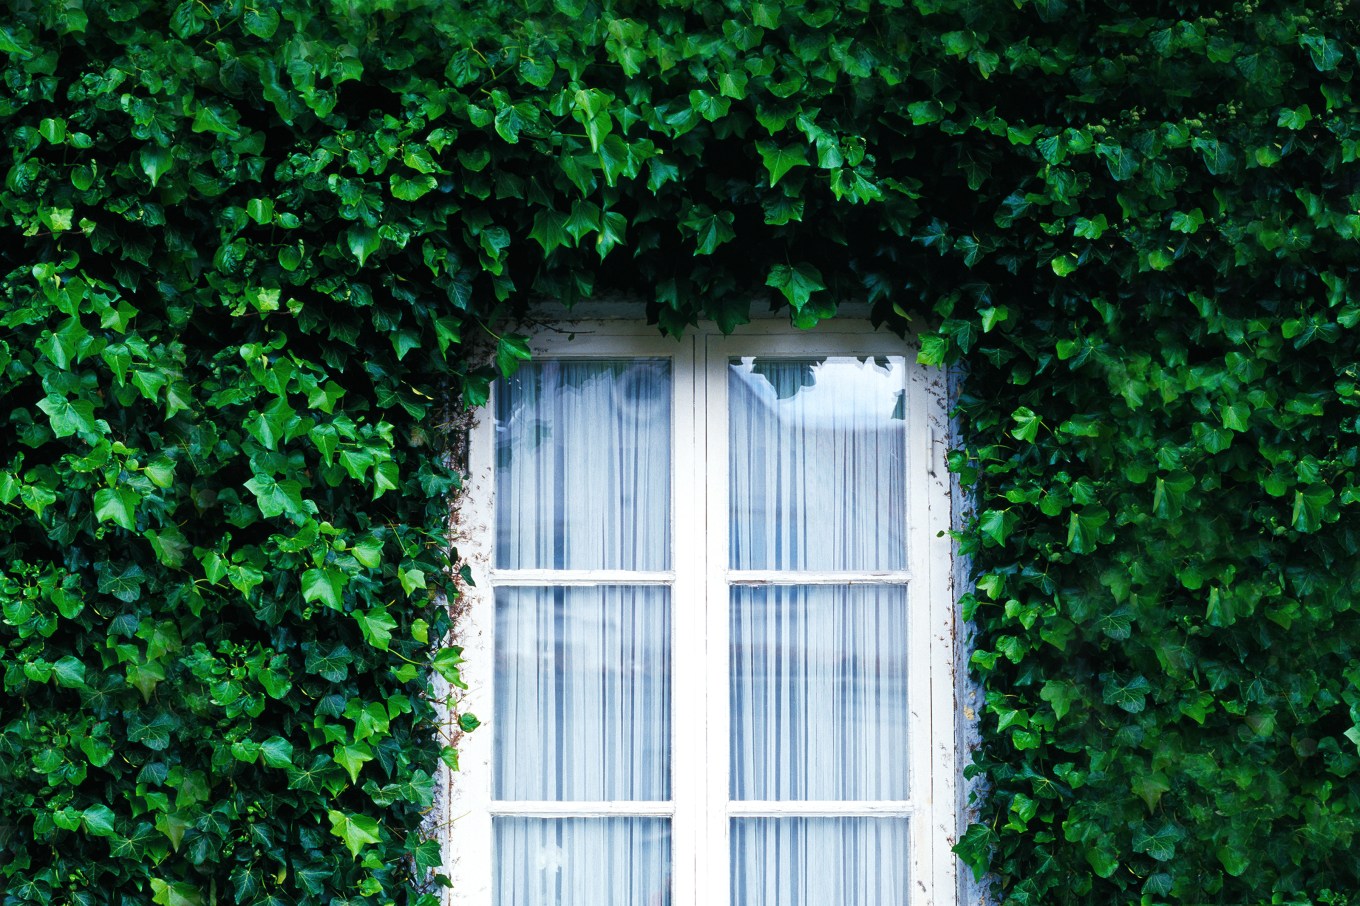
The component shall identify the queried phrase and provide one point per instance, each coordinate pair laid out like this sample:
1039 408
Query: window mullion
716 878
687 701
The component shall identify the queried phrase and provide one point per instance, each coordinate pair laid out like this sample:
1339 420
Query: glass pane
583 693
817 460
819 861
582 862
583 465
819 692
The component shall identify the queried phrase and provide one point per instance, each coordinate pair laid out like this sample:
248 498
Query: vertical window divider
716 879
688 704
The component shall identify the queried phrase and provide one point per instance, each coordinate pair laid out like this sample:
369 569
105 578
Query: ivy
255 256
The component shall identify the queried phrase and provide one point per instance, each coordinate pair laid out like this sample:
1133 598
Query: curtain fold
582 862
817 460
583 693
818 691
820 861
583 453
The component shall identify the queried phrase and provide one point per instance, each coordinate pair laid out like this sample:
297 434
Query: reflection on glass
582 861
820 861
817 463
583 693
819 692
583 474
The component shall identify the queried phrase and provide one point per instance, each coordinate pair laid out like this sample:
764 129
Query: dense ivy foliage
249 247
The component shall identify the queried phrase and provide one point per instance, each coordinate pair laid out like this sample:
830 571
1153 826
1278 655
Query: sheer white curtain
820 862
583 693
819 692
582 862
817 464
583 674
583 476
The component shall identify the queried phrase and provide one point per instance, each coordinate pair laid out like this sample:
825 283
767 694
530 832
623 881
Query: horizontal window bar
818 809
579 577
582 809
791 577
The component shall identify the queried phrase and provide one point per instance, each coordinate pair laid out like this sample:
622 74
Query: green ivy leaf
779 160
98 820
69 418
276 498
356 831
277 752
325 585
1160 844
116 505
797 282
510 351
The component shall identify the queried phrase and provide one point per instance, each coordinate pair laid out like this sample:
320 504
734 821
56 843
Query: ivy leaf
446 662
510 351
116 505
612 228
277 752
781 159
261 21
125 585
276 498
407 189
325 585
1026 424
69 672
368 551
797 282
1061 694
357 831
363 242
710 230
1160 844
1130 695
156 162
98 820
377 626
1310 507
1083 529
353 757
550 230
998 524
176 893
69 418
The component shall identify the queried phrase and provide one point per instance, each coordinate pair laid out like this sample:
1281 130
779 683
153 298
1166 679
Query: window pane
583 465
582 862
817 458
819 861
819 692
583 693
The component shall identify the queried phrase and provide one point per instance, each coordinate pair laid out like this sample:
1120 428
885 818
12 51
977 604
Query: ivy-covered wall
248 248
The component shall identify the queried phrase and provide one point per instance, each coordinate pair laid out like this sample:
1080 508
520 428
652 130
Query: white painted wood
936 555
716 889
637 809
545 577
819 809
795 577
467 841
700 810
688 707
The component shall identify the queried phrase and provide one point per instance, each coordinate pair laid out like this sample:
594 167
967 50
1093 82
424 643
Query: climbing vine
251 250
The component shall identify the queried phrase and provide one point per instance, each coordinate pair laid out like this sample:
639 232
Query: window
712 637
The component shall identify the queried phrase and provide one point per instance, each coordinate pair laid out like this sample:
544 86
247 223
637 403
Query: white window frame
700 810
